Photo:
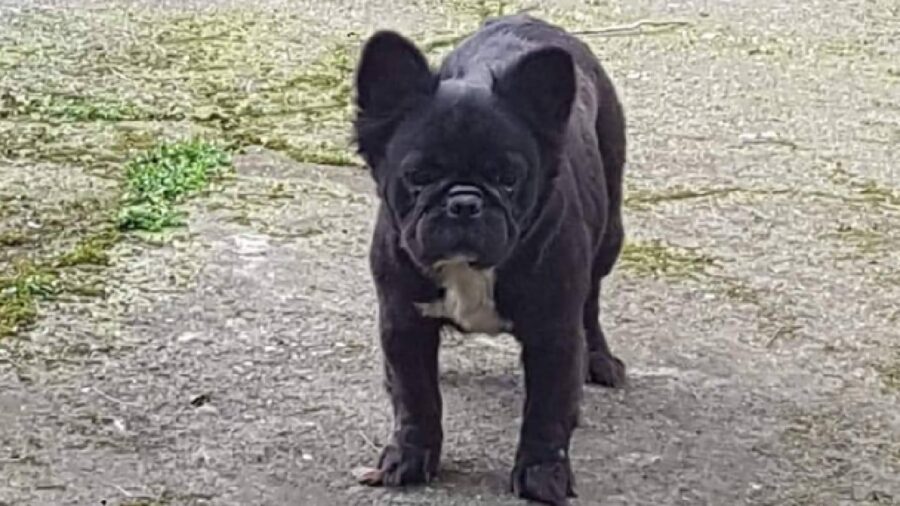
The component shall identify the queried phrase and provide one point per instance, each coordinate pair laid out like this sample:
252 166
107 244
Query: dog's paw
544 482
398 466
605 370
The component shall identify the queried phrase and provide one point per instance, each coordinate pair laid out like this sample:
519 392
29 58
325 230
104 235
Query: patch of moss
66 108
322 153
890 373
91 250
644 198
741 292
11 238
155 182
158 180
89 144
20 292
878 194
305 115
229 74
868 240
163 501
659 260
230 70
95 288
865 191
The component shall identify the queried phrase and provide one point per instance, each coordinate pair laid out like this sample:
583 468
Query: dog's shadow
618 432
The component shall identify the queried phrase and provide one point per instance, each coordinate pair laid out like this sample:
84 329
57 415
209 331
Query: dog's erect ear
391 72
541 88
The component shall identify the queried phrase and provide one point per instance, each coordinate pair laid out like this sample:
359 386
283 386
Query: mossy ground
239 78
132 117
148 82
657 259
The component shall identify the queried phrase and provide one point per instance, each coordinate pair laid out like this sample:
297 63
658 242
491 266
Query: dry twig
641 27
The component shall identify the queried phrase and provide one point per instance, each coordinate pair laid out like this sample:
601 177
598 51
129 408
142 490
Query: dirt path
756 305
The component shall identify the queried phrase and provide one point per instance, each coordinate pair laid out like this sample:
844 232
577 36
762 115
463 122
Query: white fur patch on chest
468 299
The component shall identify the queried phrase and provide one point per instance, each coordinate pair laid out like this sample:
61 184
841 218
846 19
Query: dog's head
462 166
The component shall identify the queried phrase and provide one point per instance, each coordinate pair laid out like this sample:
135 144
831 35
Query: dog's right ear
391 72
392 76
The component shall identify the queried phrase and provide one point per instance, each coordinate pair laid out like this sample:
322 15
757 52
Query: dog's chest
468 299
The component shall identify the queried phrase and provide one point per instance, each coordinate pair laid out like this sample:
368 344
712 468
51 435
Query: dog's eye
423 176
507 178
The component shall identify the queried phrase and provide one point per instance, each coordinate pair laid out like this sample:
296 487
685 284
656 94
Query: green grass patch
160 179
656 259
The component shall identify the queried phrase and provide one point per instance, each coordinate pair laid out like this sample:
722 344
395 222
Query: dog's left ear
540 87
391 71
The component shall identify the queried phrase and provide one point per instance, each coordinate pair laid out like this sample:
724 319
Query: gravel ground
237 363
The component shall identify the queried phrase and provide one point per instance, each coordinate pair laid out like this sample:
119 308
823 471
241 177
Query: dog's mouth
455 261
438 244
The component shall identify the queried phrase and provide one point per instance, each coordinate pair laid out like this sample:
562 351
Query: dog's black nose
464 201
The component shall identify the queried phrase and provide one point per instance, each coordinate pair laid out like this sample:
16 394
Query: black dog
500 179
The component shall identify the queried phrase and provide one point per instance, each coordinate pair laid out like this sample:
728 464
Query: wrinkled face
460 177
461 166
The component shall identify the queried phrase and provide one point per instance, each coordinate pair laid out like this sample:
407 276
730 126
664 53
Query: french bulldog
499 178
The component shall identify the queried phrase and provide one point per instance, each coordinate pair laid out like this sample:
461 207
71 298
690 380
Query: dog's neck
468 298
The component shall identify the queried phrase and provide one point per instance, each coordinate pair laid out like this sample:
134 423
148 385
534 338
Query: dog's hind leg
603 367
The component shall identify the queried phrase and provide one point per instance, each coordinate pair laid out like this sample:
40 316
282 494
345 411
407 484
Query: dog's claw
368 476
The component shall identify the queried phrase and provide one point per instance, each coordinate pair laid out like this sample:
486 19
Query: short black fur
521 131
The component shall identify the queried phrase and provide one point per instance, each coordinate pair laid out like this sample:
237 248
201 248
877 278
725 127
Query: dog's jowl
500 181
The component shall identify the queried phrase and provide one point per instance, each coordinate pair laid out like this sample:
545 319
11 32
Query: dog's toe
606 370
400 466
547 482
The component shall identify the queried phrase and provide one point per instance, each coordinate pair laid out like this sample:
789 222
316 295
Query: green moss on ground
20 292
9 238
91 250
231 71
66 108
155 182
659 260
890 373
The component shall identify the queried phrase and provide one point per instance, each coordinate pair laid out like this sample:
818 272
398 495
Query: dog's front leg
410 346
553 380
